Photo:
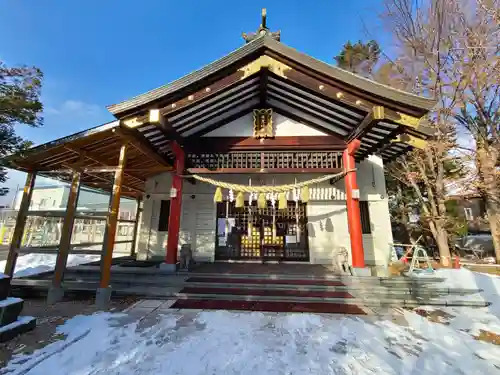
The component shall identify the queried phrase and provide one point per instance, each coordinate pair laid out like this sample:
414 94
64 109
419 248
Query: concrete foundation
102 297
54 295
363 272
168 268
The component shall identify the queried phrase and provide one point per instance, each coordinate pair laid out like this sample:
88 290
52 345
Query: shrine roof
266 44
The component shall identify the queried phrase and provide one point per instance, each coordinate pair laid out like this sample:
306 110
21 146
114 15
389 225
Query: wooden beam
107 170
55 293
160 121
95 158
264 78
262 170
111 222
370 120
138 141
291 143
136 225
17 236
337 93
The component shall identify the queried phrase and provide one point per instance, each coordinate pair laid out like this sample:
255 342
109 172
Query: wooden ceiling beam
338 94
370 120
95 159
138 141
160 121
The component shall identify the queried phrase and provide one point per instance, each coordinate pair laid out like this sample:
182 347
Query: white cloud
74 108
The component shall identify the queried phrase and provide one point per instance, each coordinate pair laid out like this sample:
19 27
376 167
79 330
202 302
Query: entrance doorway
246 233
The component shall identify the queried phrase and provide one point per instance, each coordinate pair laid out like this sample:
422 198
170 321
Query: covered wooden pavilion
160 131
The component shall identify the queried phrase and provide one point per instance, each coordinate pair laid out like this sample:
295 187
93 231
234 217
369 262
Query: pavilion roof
95 153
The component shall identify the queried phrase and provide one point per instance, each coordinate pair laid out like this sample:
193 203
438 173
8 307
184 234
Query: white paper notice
291 239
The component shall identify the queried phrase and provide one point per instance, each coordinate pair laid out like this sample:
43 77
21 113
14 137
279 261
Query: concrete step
10 308
21 325
138 272
359 301
91 284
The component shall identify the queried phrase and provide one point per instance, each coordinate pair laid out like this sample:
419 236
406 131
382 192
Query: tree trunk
490 191
486 158
440 235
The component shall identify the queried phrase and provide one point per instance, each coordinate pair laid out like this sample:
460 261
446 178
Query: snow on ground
32 264
468 319
222 342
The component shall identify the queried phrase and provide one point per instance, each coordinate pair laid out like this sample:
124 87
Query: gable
282 126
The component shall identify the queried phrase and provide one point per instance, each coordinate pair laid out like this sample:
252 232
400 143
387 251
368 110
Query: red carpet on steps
303 307
272 306
267 292
263 281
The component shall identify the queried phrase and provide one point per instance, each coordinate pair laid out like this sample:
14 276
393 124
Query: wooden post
104 292
352 205
136 225
56 293
17 236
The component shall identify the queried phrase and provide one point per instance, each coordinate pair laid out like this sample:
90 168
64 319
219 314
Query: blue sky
95 53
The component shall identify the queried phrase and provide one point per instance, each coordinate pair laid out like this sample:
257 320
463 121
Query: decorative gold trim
133 122
406 120
266 62
411 141
378 112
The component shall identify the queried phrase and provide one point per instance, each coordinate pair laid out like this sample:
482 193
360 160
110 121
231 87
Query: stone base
21 325
361 272
10 309
4 286
168 268
55 295
102 297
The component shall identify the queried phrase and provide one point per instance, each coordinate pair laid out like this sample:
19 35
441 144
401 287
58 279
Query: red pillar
353 213
174 220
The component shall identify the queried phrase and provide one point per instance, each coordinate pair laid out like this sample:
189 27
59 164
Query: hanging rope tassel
282 202
240 200
304 194
218 195
261 201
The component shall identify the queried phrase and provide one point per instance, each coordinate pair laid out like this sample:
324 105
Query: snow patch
9 301
468 319
33 264
19 322
222 342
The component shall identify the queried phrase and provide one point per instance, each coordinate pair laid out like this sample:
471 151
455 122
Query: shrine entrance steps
259 287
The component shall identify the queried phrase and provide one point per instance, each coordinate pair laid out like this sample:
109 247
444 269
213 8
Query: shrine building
265 155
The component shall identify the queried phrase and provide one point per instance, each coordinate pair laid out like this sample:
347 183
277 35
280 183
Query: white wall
282 125
327 217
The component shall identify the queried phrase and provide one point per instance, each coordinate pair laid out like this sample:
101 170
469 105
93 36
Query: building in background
55 197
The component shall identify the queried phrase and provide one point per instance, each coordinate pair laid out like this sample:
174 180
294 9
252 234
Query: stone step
138 272
91 284
21 325
368 301
4 286
10 308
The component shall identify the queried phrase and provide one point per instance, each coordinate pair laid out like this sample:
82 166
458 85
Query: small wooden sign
263 123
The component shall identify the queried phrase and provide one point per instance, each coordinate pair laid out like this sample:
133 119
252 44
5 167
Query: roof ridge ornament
262 30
